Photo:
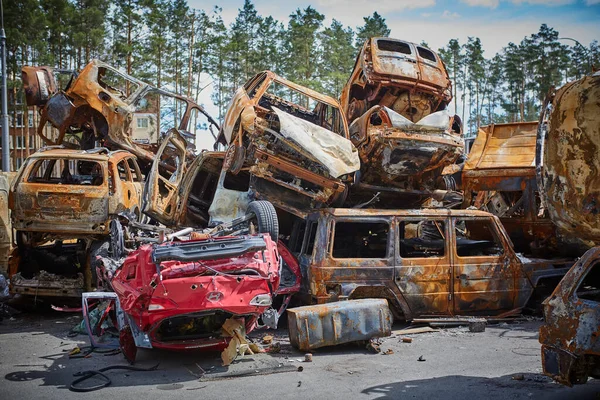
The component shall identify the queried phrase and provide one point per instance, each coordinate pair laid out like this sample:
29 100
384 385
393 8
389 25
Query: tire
265 218
117 240
234 158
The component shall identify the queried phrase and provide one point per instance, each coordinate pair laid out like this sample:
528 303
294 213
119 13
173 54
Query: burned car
499 176
424 262
63 202
292 141
395 102
185 190
569 337
181 295
103 105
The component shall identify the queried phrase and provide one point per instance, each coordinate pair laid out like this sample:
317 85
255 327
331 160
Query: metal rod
4 98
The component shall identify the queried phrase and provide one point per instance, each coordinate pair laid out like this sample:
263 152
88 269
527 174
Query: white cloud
450 15
547 2
481 3
591 2
367 7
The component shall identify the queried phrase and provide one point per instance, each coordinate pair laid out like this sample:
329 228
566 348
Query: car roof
424 212
97 154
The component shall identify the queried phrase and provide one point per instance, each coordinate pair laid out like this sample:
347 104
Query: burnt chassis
195 286
91 110
569 337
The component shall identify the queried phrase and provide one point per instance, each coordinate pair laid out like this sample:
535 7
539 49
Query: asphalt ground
501 363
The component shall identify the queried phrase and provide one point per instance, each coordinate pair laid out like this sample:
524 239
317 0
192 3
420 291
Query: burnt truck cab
570 335
396 105
425 262
63 203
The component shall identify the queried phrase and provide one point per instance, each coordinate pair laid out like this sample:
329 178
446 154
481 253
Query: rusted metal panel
569 337
502 148
39 84
311 327
571 180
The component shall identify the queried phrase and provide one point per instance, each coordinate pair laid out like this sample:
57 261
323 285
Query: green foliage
166 43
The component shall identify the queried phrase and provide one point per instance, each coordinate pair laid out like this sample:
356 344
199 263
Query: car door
423 264
483 274
161 195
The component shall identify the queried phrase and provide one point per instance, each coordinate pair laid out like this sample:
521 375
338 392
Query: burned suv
396 104
425 262
64 202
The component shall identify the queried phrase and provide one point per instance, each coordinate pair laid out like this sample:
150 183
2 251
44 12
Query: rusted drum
571 181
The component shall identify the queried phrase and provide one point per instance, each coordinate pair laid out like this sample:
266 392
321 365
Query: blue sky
496 22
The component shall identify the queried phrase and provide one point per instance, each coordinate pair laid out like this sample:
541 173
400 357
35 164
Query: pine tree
374 26
338 57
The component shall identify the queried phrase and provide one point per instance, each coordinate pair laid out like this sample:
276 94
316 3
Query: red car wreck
179 295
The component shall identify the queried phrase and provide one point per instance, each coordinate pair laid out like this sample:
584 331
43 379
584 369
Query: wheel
234 158
117 240
265 218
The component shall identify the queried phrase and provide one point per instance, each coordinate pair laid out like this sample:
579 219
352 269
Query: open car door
162 186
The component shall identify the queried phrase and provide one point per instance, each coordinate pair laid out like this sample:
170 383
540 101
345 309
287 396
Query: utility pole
4 98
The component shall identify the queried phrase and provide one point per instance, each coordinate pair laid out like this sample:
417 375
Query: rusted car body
62 202
569 174
292 140
99 105
179 295
425 262
499 176
395 102
570 335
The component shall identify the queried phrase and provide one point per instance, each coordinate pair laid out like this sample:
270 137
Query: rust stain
571 176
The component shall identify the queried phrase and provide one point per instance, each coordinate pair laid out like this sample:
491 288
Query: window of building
589 289
422 239
477 237
142 122
360 240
